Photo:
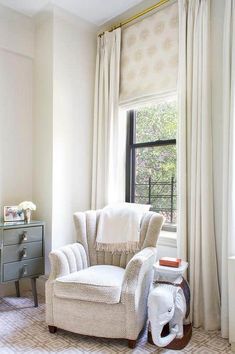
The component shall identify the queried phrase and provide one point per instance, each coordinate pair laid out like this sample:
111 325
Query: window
151 158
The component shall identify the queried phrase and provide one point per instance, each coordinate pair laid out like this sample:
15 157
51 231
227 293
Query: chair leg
34 291
17 286
52 329
132 343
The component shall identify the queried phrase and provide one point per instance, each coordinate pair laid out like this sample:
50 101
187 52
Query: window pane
156 122
155 179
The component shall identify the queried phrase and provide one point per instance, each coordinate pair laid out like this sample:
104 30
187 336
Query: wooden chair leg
52 329
34 291
17 286
132 343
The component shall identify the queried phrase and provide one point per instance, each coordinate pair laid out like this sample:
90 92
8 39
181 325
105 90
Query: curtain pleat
196 235
108 168
228 203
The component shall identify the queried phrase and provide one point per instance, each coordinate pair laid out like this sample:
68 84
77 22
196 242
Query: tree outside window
151 157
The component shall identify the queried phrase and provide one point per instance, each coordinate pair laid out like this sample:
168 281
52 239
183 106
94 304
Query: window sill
167 239
169 227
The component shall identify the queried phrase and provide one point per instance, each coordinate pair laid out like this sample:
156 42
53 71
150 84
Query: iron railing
161 195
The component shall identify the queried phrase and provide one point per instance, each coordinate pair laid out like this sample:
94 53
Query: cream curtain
196 241
108 168
228 206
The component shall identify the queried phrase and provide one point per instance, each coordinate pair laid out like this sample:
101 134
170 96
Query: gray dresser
21 253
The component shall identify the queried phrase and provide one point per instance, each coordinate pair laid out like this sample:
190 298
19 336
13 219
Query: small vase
27 214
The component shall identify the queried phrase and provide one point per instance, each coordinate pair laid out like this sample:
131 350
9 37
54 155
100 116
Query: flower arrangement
27 207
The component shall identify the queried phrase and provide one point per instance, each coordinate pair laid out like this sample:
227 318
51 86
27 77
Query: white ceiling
95 11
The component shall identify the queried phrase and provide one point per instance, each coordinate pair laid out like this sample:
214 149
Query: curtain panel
228 206
196 240
108 168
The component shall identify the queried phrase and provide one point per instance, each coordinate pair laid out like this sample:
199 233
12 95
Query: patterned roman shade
149 56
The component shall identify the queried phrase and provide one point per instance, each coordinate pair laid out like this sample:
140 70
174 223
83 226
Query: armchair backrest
86 226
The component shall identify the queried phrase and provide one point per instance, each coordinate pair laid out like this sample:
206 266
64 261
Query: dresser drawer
27 268
22 235
13 253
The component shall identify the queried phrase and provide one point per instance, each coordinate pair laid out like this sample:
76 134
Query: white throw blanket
119 227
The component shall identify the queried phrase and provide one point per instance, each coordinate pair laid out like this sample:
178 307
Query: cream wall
16 121
16 109
47 69
43 125
73 84
65 48
16 32
16 73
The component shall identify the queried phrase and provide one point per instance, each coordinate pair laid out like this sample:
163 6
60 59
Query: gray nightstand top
16 224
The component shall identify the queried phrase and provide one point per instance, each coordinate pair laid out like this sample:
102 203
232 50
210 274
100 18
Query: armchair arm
64 260
67 259
138 276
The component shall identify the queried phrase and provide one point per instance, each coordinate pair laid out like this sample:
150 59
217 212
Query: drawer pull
25 272
24 253
24 236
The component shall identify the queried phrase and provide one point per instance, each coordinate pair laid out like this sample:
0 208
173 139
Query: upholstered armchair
98 293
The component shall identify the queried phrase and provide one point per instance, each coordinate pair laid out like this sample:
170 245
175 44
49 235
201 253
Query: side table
171 330
21 253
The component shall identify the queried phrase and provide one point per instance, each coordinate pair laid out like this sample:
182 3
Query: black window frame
131 147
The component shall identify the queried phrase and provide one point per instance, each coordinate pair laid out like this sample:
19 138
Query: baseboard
41 281
233 347
8 289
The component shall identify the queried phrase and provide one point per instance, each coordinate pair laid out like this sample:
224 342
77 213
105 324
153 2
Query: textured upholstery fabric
137 279
124 319
67 259
90 318
86 226
63 261
101 283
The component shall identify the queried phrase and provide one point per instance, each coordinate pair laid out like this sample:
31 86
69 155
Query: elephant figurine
167 305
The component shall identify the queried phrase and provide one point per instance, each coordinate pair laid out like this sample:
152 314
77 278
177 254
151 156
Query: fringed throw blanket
119 227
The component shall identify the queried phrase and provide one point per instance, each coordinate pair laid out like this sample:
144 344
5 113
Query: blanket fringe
126 247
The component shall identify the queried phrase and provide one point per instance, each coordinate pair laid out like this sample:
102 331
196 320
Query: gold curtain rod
134 17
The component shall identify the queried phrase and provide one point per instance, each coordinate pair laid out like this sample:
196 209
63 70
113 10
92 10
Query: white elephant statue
166 304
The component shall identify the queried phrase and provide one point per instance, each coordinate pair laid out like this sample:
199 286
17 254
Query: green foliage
157 122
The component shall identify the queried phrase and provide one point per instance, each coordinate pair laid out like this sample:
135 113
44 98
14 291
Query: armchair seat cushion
100 283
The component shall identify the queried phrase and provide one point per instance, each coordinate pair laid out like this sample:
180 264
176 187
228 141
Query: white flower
27 205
